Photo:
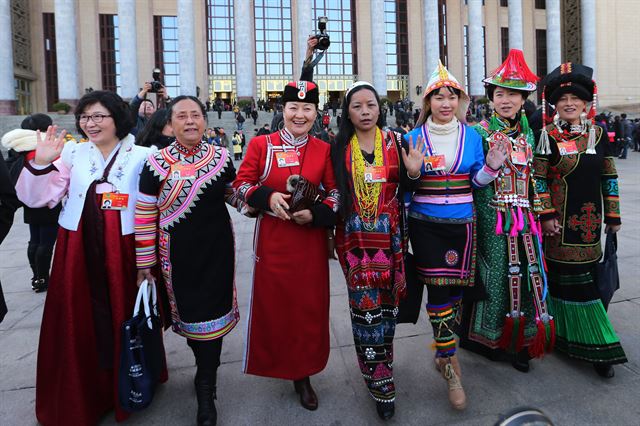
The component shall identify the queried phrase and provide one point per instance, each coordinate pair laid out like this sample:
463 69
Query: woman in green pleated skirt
578 186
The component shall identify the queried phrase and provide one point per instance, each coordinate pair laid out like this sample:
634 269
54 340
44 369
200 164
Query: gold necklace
367 194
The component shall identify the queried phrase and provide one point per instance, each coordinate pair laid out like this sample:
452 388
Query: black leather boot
205 383
43 264
31 255
385 410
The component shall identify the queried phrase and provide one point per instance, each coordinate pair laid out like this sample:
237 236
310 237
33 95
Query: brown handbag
304 194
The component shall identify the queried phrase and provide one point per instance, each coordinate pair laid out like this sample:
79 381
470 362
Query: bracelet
413 178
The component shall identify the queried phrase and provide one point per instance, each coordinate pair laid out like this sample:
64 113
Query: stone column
128 49
378 48
245 59
431 38
187 47
306 25
554 42
589 46
475 50
515 24
67 51
7 83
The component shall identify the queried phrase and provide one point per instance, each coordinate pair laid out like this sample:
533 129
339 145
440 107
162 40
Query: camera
156 85
323 38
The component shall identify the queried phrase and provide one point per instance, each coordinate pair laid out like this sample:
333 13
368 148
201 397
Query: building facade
236 49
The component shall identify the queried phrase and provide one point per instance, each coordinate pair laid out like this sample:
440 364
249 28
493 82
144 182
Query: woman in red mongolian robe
288 325
92 289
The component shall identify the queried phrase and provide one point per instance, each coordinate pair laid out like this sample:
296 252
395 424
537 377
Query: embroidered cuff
146 216
485 176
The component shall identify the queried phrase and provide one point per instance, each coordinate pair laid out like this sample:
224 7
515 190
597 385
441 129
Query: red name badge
182 171
568 148
434 163
287 159
374 174
114 201
519 158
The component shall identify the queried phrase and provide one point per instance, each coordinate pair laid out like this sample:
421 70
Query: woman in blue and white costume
441 217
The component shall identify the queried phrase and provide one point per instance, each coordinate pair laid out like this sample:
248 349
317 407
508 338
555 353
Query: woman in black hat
577 179
288 322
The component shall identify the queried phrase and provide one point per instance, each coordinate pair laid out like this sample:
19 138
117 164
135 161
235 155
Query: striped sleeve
146 230
540 174
610 193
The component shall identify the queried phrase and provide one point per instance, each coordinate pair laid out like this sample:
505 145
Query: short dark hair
177 99
36 122
147 100
118 109
492 88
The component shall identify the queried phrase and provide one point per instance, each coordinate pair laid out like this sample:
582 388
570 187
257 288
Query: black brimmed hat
301 91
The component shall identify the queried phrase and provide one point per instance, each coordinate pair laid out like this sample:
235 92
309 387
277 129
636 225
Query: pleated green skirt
583 329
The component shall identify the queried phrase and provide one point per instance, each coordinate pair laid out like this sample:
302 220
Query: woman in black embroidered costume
577 178
181 208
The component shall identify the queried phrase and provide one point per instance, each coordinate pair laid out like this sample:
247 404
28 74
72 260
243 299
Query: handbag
304 194
142 352
607 278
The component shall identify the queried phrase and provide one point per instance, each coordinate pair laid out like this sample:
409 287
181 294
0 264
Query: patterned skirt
583 329
445 253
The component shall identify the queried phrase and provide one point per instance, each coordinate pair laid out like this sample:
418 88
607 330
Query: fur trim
20 140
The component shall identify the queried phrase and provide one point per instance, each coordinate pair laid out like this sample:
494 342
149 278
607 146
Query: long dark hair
339 148
151 134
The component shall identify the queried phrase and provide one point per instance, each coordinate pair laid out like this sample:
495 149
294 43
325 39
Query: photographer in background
142 108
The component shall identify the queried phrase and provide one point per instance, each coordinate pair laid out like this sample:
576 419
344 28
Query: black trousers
207 354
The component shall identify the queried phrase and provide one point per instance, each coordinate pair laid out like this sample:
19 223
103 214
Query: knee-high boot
43 264
207 354
442 318
31 255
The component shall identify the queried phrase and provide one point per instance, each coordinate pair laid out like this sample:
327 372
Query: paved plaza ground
570 393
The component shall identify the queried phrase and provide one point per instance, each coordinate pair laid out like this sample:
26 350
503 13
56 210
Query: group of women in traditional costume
505 236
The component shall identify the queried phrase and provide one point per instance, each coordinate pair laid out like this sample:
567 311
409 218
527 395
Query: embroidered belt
444 199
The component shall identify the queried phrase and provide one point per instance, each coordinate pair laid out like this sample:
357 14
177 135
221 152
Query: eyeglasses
96 118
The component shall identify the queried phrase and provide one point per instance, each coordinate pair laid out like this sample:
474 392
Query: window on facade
273 38
467 76
396 37
541 53
442 23
110 53
50 62
339 59
504 43
23 96
167 57
220 37
541 4
504 3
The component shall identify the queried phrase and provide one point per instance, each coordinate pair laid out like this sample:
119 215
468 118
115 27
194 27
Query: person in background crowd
288 325
264 130
239 120
219 105
157 132
181 205
254 116
237 146
626 136
441 213
8 205
208 105
511 321
93 279
43 222
142 108
577 180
